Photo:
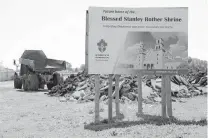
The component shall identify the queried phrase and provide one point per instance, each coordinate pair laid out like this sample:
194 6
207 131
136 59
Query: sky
58 26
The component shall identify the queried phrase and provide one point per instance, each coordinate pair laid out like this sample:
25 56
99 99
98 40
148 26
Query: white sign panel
125 40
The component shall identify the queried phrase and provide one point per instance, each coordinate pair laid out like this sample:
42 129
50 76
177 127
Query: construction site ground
35 114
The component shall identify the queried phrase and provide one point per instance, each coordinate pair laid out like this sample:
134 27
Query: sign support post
139 79
86 42
97 95
117 95
110 111
169 100
163 94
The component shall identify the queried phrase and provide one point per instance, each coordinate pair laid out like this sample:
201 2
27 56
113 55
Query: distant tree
82 67
68 66
196 65
189 60
1 65
183 66
76 70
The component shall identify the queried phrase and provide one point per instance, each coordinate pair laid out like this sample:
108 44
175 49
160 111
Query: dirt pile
70 85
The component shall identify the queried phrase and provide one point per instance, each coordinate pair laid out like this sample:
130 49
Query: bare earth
34 114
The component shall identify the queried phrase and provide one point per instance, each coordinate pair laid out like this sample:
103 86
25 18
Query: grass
91 111
146 119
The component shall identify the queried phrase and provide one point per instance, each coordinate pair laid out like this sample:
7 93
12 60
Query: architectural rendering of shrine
155 58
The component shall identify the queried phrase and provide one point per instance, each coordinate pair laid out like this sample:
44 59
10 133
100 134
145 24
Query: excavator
36 71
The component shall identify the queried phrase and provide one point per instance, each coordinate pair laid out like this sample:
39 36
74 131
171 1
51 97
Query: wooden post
86 42
117 95
110 110
139 79
168 98
97 95
163 92
0 76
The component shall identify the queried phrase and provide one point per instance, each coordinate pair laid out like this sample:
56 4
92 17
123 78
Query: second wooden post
110 110
163 94
97 95
168 96
139 80
117 95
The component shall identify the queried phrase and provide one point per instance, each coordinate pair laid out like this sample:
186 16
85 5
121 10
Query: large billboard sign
127 40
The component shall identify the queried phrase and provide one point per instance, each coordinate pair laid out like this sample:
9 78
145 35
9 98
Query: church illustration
155 58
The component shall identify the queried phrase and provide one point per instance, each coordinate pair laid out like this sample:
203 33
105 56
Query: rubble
82 87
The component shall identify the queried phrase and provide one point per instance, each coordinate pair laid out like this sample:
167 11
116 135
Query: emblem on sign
102 45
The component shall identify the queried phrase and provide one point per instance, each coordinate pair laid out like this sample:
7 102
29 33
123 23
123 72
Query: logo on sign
102 45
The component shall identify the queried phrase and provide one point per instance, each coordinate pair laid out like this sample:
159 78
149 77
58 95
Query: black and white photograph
156 50
103 69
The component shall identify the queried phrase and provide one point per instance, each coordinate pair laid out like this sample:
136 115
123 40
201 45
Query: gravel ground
34 114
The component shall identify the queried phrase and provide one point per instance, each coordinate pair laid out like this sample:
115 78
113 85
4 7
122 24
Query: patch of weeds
91 111
120 116
105 121
146 119
75 126
30 136
179 136
23 115
158 120
137 132
203 121
101 109
114 133
92 123
128 130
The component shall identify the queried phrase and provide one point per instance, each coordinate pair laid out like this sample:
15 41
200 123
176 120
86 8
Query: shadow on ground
145 119
41 90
